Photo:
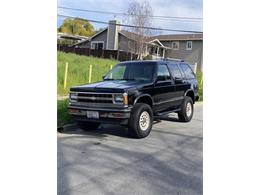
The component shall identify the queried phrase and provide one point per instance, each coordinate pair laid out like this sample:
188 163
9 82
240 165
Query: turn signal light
125 99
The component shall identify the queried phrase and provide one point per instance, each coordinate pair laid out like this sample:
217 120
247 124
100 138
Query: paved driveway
106 161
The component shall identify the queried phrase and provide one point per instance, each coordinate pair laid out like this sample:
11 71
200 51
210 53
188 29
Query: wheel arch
144 98
190 93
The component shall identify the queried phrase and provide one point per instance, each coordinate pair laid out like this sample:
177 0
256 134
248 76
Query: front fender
143 95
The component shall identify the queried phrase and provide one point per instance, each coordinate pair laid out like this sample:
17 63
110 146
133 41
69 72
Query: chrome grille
95 97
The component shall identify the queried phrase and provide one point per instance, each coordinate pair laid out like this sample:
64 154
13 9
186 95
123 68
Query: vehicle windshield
131 71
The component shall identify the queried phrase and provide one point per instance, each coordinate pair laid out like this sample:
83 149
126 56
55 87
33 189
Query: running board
166 112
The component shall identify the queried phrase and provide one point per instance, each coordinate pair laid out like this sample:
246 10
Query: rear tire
88 126
141 121
186 112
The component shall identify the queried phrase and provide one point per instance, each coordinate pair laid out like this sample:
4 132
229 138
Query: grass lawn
78 69
62 113
200 81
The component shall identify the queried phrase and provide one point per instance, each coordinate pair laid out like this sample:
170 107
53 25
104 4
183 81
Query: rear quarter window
175 71
188 73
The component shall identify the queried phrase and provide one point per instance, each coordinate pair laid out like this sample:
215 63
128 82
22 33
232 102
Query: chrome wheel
188 109
144 121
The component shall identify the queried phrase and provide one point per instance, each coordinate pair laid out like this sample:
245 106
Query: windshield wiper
127 79
108 79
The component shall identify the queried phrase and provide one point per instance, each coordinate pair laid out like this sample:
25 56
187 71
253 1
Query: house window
97 45
175 45
189 45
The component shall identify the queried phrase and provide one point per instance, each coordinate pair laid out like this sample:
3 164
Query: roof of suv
153 61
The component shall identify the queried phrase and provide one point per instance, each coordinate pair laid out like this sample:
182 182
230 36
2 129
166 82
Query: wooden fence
110 54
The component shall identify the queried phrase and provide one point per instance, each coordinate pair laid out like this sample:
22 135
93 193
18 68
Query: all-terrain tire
141 121
186 112
88 126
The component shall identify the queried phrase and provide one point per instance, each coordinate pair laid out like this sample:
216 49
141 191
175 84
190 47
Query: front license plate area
92 114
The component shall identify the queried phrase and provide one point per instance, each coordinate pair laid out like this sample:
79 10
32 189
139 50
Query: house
112 38
188 47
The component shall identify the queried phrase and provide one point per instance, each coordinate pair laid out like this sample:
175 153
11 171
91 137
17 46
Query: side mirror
178 80
160 78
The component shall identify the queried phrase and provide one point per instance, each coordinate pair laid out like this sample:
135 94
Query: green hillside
78 69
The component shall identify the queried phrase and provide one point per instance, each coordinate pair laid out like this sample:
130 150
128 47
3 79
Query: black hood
116 86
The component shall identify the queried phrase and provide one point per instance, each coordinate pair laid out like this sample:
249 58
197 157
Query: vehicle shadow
108 129
170 118
101 132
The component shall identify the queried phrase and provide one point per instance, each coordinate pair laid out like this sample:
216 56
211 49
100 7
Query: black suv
134 93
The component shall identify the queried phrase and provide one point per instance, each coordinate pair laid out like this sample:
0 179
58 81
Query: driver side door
163 89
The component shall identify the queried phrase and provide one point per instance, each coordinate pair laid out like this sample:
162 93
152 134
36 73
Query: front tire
141 120
88 126
186 112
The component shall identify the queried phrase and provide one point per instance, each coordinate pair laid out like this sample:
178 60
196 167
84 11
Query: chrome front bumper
104 112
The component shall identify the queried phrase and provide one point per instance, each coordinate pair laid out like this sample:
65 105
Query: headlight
121 98
73 97
118 98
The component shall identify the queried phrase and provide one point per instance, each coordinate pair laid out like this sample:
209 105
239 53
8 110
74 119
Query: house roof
154 41
130 35
89 39
171 37
178 37
79 43
70 36
99 32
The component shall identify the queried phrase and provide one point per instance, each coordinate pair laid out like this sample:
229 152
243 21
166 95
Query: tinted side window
187 71
175 71
163 72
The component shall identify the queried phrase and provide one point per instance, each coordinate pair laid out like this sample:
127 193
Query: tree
140 14
77 26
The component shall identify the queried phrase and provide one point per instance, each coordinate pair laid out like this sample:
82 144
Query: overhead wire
132 26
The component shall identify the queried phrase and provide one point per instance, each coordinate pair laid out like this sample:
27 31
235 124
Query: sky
175 8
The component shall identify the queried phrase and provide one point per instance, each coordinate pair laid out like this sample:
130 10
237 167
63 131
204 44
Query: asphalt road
106 161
